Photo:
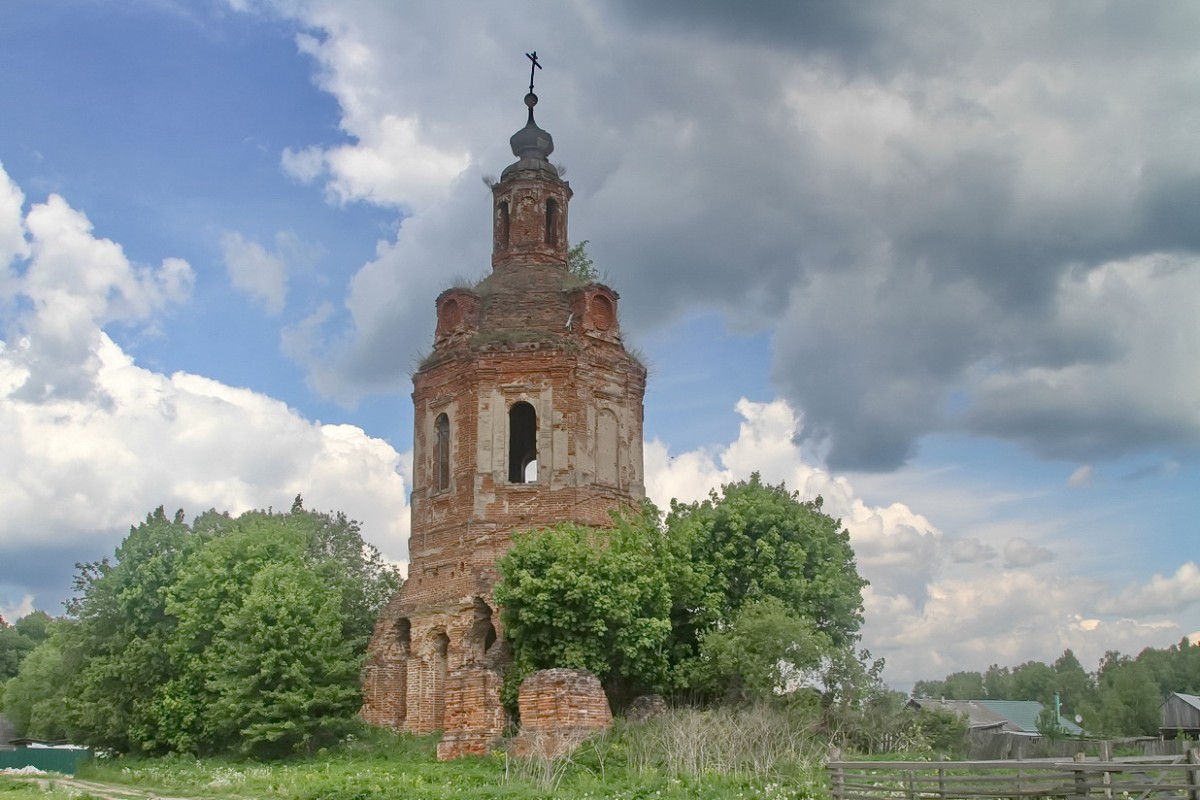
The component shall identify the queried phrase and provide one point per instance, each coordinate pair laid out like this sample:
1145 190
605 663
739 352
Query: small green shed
46 756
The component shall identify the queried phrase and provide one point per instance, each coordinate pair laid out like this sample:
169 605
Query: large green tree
116 654
163 639
765 651
735 597
336 580
753 541
1127 699
587 598
289 677
34 700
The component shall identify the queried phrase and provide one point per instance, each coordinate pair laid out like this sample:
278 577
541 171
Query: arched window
552 222
403 630
441 454
482 635
438 669
522 441
502 226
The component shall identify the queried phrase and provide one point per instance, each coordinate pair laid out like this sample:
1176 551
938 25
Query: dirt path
105 791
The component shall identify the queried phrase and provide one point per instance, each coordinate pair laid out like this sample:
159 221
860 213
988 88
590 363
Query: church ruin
528 412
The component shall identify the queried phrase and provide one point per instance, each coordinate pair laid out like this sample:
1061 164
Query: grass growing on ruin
677 757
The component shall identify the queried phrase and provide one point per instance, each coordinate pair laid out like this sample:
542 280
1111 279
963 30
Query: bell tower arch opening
441 454
551 237
503 225
522 442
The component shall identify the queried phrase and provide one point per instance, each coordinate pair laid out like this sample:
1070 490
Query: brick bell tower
527 413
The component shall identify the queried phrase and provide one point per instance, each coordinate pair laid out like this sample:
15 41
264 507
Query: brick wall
559 709
528 334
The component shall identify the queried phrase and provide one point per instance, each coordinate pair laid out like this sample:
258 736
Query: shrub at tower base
742 596
237 634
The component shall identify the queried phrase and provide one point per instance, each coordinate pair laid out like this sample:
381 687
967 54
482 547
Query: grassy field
625 764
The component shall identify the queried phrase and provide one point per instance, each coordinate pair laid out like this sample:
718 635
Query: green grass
15 789
383 766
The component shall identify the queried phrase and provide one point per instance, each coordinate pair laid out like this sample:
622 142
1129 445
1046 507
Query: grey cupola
532 146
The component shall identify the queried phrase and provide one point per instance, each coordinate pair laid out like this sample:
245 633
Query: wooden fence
1138 778
993 746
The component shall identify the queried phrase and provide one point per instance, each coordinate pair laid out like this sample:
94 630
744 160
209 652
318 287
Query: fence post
837 782
1193 758
1081 780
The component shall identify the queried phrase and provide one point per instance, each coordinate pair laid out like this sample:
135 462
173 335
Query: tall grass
756 754
760 741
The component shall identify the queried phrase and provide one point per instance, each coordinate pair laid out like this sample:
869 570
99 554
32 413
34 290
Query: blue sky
939 267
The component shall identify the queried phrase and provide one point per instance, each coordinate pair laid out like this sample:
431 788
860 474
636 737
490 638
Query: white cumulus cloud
938 604
92 441
261 275
1162 593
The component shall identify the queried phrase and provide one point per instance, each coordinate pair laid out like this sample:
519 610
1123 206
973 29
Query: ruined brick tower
527 413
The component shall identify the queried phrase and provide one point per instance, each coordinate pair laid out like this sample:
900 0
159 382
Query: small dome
531 141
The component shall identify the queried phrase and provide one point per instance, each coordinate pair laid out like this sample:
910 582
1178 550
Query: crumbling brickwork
559 709
528 412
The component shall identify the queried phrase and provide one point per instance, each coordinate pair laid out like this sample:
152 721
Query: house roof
1190 699
1014 716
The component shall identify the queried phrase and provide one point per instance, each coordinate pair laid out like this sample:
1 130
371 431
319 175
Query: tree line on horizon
1120 698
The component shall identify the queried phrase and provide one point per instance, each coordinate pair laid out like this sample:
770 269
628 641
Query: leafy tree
1072 682
997 682
765 651
587 598
754 541
1033 680
207 594
19 639
580 265
742 590
34 626
117 653
1174 669
161 638
34 700
1127 700
863 714
957 686
210 600
943 730
290 677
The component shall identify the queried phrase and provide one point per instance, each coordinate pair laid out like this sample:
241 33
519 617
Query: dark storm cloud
872 37
923 203
46 571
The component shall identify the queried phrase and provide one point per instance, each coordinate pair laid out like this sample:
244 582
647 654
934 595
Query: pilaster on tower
529 203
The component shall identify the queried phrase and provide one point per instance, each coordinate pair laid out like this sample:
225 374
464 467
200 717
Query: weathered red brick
530 333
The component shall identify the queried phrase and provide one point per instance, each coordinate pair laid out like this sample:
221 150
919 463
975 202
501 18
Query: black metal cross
532 66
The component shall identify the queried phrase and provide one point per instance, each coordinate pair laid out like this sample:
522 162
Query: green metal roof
1024 714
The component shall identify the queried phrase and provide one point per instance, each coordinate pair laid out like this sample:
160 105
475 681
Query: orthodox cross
532 66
